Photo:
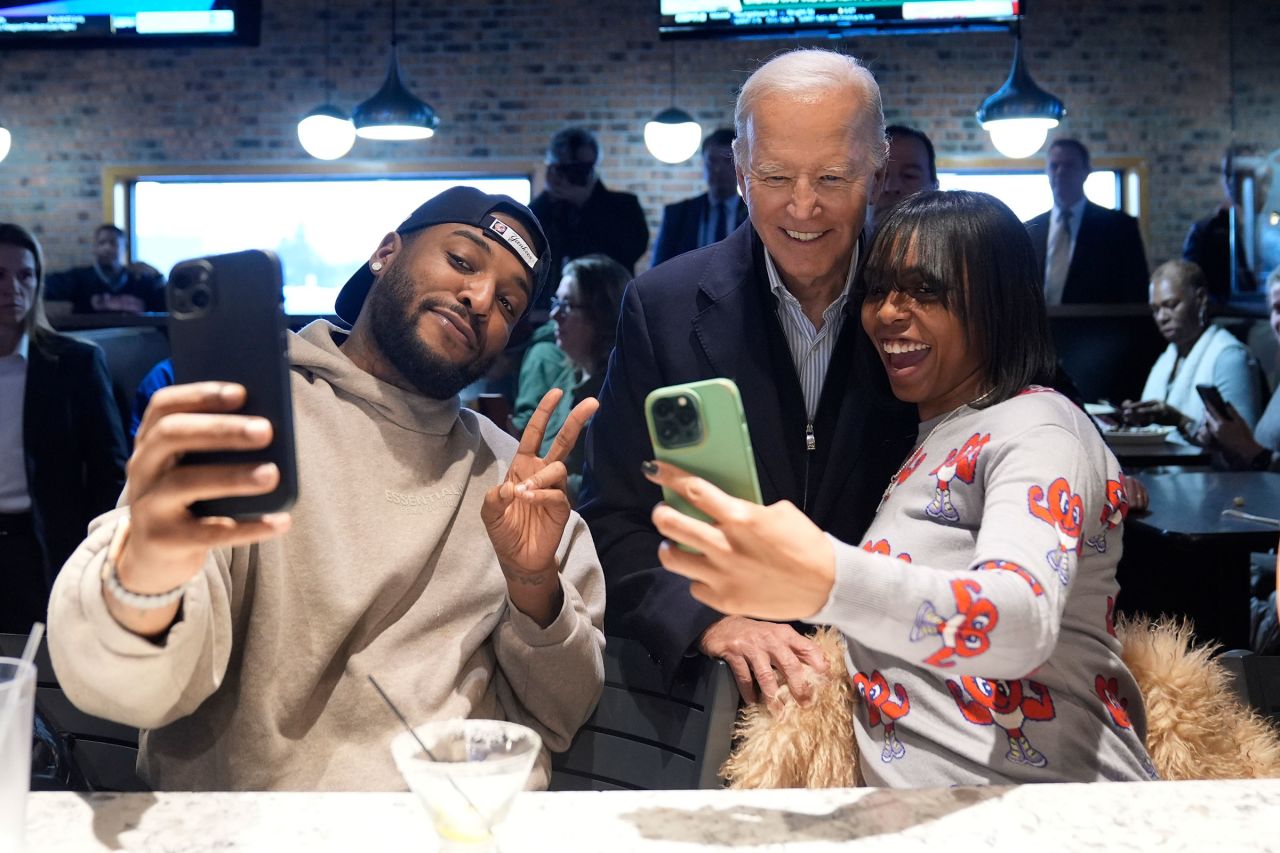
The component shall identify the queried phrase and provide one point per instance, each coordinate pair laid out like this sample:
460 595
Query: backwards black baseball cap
492 214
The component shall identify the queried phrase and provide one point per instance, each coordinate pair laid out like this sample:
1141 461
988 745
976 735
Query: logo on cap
509 235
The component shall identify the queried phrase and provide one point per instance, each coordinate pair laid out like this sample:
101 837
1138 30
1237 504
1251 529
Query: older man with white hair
769 307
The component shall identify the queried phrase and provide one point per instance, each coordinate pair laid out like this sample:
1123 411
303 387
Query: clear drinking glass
17 705
467 783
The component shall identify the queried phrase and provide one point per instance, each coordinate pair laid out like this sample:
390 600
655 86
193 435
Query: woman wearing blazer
62 448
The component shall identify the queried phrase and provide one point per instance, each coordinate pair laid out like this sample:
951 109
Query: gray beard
394 322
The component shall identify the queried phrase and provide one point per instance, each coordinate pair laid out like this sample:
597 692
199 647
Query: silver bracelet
111 579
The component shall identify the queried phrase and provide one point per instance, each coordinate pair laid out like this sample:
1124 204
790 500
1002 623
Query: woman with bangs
978 609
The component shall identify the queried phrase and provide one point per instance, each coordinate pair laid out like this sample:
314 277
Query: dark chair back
131 352
643 736
104 752
1256 680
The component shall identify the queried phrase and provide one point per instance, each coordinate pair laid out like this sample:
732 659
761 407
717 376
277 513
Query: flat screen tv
120 23
736 19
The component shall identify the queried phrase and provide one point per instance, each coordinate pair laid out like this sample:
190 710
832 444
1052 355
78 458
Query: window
323 227
1114 184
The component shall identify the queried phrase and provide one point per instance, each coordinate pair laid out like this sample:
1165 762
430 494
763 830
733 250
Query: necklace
893 481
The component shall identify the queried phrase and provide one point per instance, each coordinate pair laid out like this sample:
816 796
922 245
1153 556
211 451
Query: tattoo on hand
523 579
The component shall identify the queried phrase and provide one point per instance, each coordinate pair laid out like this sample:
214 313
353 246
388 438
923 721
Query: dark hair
600 281
569 140
720 136
107 226
894 130
37 324
1075 145
976 256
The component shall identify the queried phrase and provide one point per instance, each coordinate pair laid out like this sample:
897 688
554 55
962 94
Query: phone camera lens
666 432
686 415
200 298
663 408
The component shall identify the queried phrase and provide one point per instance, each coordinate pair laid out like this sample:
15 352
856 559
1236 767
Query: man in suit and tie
773 307
707 218
1088 253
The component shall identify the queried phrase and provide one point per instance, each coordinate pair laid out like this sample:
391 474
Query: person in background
109 284
1199 353
707 218
160 376
977 608
1240 448
580 215
911 168
1087 252
425 547
1208 243
62 449
575 353
768 307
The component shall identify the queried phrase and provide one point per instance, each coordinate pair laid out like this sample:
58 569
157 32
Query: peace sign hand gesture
525 515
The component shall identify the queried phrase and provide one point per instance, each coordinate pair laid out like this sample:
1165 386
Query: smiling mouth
803 236
452 321
901 354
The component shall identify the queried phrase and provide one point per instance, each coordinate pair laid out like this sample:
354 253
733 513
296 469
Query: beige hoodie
387 570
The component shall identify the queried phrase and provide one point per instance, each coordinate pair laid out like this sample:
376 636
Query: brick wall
1152 79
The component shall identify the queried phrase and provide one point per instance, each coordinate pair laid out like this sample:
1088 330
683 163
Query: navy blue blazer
705 314
73 444
1109 263
682 226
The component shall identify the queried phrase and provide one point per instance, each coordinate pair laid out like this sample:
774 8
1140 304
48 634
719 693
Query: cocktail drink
17 704
468 776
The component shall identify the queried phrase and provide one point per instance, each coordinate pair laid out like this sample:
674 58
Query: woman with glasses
977 610
1199 353
572 351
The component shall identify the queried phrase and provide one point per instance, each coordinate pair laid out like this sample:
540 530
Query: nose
804 200
479 295
892 308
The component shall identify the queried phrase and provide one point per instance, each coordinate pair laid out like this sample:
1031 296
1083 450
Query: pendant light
673 135
393 112
5 140
1018 116
326 132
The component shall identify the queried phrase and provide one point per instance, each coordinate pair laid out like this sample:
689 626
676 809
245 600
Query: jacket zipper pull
810 442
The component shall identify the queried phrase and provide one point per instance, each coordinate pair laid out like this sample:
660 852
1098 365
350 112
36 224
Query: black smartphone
226 323
1213 399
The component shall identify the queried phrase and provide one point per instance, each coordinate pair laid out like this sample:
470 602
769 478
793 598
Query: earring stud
375 266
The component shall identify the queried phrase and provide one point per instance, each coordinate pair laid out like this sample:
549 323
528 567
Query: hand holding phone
226 324
1212 398
701 427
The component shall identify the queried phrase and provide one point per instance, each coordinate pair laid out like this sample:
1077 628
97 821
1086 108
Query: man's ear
386 252
877 185
742 184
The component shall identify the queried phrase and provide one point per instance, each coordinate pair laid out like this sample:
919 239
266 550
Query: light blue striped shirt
810 348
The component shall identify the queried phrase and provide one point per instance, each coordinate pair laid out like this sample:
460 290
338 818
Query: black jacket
610 223
1109 263
73 444
682 225
705 314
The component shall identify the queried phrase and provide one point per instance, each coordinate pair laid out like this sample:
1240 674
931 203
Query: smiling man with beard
425 548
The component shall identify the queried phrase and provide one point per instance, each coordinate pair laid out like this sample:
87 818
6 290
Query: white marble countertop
1164 816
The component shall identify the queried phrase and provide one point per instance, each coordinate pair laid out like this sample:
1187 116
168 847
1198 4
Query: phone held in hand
701 427
1212 398
226 323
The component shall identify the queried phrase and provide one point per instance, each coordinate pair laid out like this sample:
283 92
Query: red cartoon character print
964 634
1114 512
884 708
1008 566
1108 690
882 546
1063 509
1009 705
961 464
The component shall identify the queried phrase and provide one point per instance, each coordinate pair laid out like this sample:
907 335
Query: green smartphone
701 427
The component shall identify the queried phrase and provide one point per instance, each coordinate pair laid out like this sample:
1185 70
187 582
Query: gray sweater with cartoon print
978 613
